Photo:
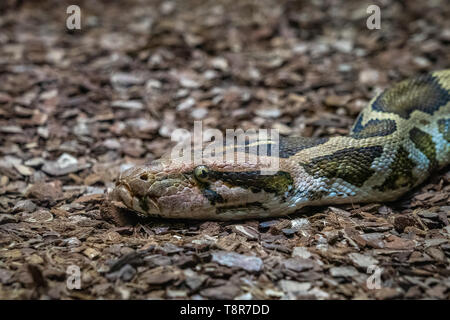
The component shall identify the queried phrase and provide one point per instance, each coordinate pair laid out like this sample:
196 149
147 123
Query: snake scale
396 142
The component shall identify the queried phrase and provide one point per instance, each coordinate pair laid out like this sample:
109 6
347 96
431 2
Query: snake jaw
122 194
149 191
130 192
154 205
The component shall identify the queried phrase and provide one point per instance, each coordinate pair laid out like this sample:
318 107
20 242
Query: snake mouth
122 196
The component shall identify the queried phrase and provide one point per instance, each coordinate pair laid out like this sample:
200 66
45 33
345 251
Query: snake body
396 142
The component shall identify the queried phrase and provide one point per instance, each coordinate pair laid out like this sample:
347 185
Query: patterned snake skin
394 145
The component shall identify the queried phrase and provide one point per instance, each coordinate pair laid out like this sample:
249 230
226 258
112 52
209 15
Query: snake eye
201 173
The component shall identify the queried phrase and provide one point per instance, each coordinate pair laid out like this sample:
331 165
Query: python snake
396 142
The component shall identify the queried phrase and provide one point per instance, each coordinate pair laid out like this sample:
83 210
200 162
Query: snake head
158 191
212 191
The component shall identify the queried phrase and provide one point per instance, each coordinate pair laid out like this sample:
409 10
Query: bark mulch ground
78 106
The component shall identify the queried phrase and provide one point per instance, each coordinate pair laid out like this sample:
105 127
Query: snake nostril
144 177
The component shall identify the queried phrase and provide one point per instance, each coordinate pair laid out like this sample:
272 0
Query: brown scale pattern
424 142
351 164
423 93
401 172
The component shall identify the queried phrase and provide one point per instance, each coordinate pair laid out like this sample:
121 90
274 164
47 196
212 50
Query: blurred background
77 106
138 69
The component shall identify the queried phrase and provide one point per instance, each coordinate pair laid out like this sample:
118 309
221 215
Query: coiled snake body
394 145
